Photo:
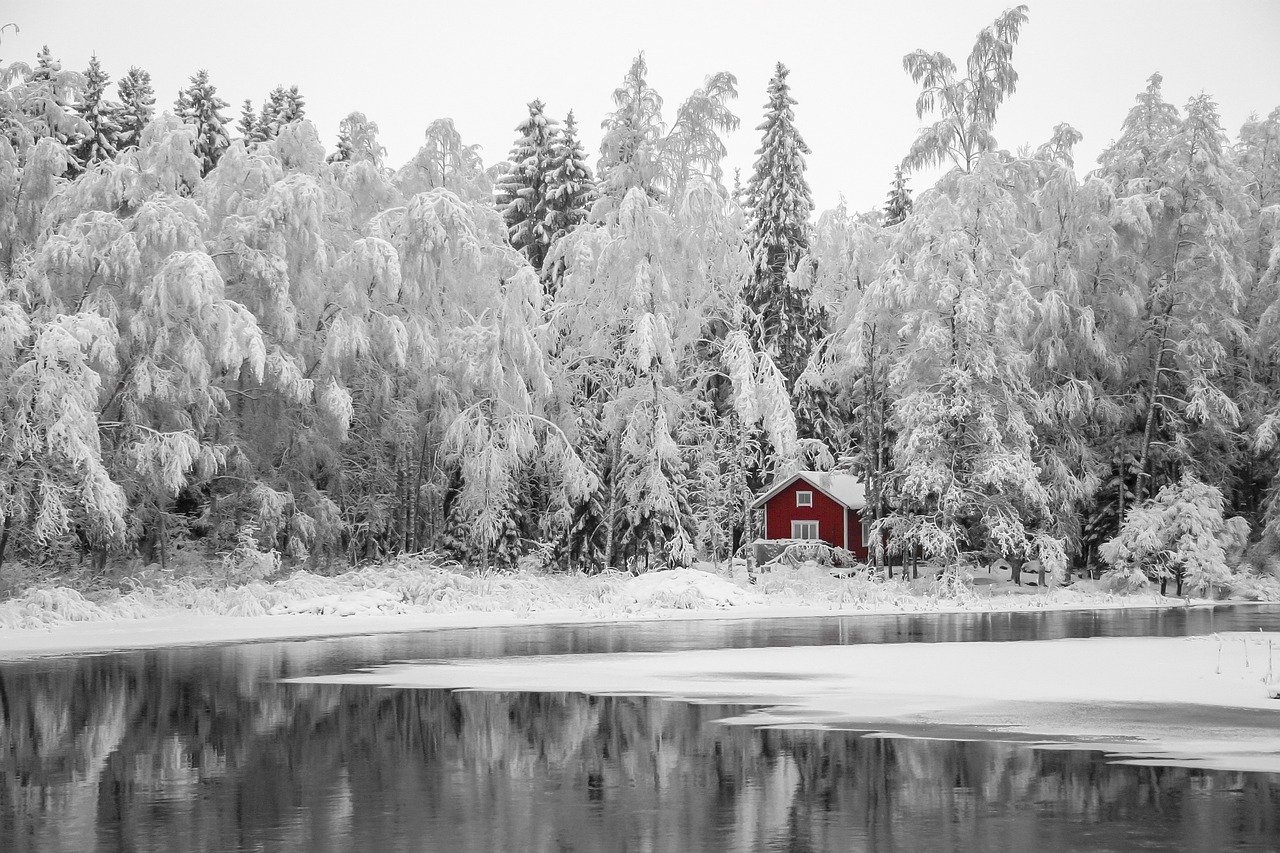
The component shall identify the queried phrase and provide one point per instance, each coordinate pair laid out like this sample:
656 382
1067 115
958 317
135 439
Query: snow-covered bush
1180 534
246 562
800 551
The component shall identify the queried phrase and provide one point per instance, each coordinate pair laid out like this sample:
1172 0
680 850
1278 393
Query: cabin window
804 498
804 530
866 533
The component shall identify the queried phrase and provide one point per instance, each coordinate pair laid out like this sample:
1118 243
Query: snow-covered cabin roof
845 489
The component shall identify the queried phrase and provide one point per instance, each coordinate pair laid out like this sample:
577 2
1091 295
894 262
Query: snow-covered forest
256 343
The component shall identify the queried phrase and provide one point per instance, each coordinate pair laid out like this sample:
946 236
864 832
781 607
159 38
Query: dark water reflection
201 750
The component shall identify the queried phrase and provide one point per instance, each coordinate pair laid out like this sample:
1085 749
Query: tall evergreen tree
248 120
199 105
283 106
292 106
100 140
897 206
522 193
55 113
779 205
1181 260
570 191
137 107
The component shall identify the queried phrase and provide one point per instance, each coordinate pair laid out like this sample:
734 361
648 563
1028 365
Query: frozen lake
204 749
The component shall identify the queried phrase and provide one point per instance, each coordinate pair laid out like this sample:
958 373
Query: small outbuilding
817 505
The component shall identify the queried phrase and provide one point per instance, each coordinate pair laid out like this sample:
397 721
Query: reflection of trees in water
160 751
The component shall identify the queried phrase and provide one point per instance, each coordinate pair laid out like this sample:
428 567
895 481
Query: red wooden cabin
816 505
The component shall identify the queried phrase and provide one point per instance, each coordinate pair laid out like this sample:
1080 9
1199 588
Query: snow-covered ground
415 595
1203 701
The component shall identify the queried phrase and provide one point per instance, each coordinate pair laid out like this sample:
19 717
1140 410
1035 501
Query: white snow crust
1200 701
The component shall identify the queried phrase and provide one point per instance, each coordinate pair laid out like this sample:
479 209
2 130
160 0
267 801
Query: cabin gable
783 508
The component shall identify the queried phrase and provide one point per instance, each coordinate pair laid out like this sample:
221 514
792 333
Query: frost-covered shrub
1181 534
952 583
38 608
1264 557
1255 587
246 562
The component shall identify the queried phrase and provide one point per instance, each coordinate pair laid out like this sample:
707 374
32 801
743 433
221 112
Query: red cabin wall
781 510
859 548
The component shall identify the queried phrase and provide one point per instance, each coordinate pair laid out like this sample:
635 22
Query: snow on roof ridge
843 488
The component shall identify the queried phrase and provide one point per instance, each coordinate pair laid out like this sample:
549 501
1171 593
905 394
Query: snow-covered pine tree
966 105
570 193
292 107
101 137
630 318
52 476
342 152
53 91
137 107
1180 534
1257 493
897 206
248 121
1181 260
522 193
1069 248
133 251
965 407
269 123
779 205
33 154
199 106
852 254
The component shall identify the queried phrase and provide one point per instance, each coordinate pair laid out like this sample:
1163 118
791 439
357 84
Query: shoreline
187 629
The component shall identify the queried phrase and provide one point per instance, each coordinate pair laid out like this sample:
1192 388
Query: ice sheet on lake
1194 700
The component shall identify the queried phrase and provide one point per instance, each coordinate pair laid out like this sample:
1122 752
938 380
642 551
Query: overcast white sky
406 62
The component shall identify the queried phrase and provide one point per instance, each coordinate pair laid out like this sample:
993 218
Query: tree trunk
161 541
418 526
610 515
4 537
1015 571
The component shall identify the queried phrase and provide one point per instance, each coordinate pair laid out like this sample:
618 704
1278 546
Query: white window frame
799 528
808 496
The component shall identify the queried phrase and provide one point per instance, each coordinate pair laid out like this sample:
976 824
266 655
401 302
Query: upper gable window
804 498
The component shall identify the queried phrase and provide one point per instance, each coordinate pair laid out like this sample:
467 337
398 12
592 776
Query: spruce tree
522 193
48 76
779 204
293 107
898 205
137 107
248 121
343 153
282 107
570 191
199 105
268 123
100 140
